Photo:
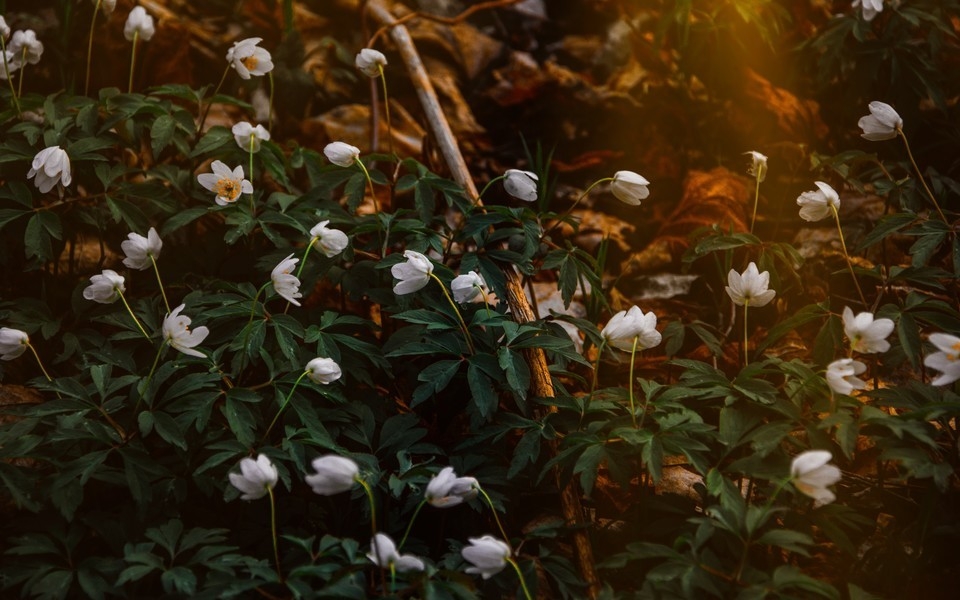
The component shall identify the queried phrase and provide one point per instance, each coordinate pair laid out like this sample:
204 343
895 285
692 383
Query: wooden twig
541 384
439 19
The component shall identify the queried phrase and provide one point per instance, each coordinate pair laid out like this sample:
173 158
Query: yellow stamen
250 62
228 188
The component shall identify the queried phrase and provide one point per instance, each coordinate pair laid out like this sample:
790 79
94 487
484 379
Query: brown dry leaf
471 49
443 76
350 123
767 113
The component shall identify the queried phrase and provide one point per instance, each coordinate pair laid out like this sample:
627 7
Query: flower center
227 188
250 62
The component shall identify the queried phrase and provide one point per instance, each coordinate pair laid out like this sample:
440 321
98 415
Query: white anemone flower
811 475
13 343
50 166
139 23
284 282
330 241
818 204
413 273
751 288
946 360
107 6
5 29
256 477
104 287
468 287
370 61
487 554
249 137
866 334
882 123
868 8
629 187
383 553
25 47
334 474
141 251
8 66
758 165
176 332
842 376
247 58
323 370
226 184
446 489
341 154
522 185
627 325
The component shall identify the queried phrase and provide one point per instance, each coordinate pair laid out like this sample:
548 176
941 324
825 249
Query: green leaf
161 134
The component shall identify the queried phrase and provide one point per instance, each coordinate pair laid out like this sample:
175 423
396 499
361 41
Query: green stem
6 69
146 383
756 201
523 583
393 577
567 212
906 144
489 183
386 109
160 283
273 532
39 362
463 324
133 59
376 206
410 524
495 516
253 206
300 269
846 255
283 406
23 69
206 111
373 507
633 356
746 335
130 310
93 23
270 114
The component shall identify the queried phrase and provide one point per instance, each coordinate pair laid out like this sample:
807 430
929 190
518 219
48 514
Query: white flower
629 187
758 165
323 370
341 154
50 166
818 204
25 41
522 185
256 477
335 474
842 375
383 553
811 475
176 331
488 555
13 343
105 287
108 6
369 61
413 274
750 288
226 184
249 59
284 283
446 489
140 250
330 241
4 28
139 22
881 124
249 137
866 335
10 66
467 287
947 360
869 9
626 325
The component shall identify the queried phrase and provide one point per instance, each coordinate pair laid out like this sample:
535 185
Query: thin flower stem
303 262
463 324
206 111
393 577
283 406
523 583
373 506
270 113
846 255
39 362
633 356
6 69
93 23
253 206
23 69
386 109
567 212
936 204
756 201
746 335
130 310
160 283
373 194
273 532
489 183
495 516
133 59
410 524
